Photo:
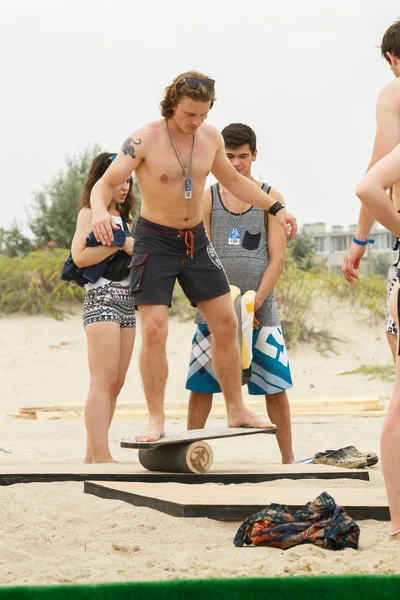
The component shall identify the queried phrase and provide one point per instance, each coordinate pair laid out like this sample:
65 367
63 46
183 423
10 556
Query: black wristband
275 208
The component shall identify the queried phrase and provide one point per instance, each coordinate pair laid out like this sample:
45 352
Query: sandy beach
54 533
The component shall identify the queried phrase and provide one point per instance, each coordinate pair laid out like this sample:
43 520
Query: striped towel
244 309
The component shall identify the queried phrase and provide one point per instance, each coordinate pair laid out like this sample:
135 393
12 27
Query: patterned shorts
391 326
270 370
110 303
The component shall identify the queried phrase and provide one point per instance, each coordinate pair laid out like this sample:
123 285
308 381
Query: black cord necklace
185 167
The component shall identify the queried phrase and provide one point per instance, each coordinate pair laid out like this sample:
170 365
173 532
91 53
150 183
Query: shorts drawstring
188 238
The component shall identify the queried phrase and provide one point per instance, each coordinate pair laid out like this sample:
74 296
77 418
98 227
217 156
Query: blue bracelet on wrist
360 243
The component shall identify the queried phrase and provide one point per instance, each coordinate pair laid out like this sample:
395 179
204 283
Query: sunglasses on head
193 83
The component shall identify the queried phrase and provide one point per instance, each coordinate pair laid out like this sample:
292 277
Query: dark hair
97 170
391 41
178 90
237 134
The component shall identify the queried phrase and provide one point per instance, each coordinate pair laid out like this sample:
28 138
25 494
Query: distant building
331 245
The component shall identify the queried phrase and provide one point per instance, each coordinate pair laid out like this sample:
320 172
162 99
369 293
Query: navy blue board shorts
163 255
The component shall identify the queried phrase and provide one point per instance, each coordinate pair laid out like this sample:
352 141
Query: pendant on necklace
188 188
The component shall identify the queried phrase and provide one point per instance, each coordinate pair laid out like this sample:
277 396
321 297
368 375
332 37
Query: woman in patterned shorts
108 309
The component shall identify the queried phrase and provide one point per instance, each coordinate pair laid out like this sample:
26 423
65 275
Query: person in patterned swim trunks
108 310
251 247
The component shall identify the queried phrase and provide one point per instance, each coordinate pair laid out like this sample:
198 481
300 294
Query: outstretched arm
247 191
386 137
373 187
127 160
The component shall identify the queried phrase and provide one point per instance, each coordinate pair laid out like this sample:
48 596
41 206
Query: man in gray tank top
251 248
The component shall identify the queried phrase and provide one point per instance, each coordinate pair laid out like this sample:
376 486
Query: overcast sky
305 75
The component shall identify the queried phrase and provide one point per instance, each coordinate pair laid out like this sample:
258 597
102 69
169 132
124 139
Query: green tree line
30 266
51 218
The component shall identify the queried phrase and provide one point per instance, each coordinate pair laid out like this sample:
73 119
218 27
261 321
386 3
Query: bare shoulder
392 87
84 216
146 133
210 132
210 129
390 95
154 128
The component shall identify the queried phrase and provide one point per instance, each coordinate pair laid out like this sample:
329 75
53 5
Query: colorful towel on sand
320 522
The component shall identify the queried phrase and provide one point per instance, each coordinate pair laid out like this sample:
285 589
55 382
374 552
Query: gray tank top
245 263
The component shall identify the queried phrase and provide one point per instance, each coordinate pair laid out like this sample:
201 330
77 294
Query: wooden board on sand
238 502
133 472
137 410
196 435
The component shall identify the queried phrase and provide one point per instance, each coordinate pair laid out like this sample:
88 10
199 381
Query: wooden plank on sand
325 406
143 414
367 402
131 472
238 502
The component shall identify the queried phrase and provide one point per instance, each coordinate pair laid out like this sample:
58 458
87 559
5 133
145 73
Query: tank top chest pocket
251 241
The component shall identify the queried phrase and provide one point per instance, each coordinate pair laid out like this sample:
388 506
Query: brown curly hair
391 41
97 170
178 90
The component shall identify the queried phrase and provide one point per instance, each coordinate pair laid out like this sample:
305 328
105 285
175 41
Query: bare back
388 129
161 178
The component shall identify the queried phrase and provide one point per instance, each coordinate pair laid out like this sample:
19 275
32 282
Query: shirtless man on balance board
171 158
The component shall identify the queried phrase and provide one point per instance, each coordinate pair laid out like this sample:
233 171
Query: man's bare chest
164 163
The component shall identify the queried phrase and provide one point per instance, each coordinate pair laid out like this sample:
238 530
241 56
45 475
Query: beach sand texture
54 533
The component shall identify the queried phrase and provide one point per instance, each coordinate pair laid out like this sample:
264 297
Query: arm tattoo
128 147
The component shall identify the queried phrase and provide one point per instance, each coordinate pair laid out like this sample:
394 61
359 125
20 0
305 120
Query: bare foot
288 461
245 418
105 459
153 432
396 537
